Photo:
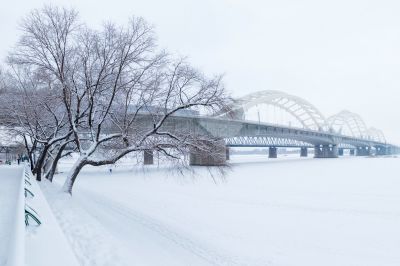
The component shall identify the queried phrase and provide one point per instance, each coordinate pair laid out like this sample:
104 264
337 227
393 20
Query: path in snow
10 177
95 225
164 238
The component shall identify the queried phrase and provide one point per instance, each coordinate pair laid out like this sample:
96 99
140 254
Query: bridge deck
9 188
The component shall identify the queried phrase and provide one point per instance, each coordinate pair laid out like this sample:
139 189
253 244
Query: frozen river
287 211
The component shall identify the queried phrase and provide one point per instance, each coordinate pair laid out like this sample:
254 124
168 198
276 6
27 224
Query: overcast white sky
342 54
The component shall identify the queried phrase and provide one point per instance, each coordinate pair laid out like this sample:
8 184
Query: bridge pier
203 158
303 152
273 152
341 152
326 151
379 150
227 153
148 157
363 151
352 152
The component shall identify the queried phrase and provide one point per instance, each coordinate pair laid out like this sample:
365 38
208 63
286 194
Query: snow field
289 211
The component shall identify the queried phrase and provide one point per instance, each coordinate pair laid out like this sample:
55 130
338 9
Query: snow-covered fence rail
46 244
17 243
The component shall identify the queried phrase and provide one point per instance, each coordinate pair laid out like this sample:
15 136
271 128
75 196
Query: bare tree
123 78
118 91
37 62
35 112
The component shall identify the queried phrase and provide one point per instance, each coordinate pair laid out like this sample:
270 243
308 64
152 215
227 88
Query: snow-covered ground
45 245
10 180
288 211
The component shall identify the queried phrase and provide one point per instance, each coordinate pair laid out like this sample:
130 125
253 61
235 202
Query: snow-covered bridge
327 136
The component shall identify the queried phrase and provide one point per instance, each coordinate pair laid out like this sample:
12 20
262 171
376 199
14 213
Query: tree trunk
39 164
47 165
50 174
73 173
52 171
30 152
32 163
39 174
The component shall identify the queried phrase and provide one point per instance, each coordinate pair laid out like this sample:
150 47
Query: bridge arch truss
303 111
355 126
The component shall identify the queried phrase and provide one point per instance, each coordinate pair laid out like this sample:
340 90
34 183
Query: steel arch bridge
343 123
328 136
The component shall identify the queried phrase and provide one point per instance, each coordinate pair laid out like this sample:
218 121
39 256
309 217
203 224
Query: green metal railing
32 218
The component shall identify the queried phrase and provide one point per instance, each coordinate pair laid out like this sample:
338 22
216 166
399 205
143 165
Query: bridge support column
352 152
303 152
203 158
326 151
148 157
363 151
273 152
341 152
368 151
379 150
227 153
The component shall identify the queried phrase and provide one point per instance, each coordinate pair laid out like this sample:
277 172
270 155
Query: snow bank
89 240
46 245
16 252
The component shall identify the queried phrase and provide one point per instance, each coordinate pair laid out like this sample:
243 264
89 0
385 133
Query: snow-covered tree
35 112
118 91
